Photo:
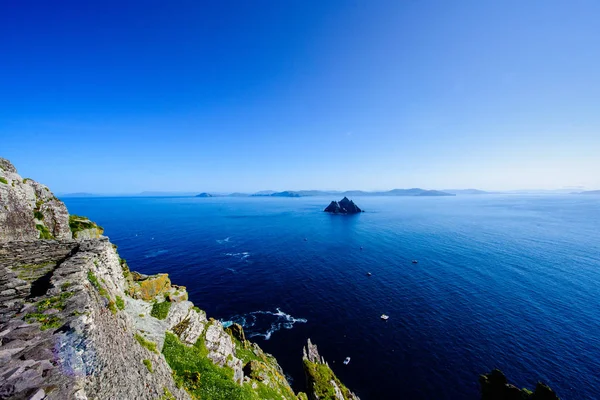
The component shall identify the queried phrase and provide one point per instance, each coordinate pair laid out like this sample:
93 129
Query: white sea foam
155 253
221 241
264 323
242 256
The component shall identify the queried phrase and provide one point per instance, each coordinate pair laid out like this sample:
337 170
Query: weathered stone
237 332
23 201
152 287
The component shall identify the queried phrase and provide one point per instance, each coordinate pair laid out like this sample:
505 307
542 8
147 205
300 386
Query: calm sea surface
502 281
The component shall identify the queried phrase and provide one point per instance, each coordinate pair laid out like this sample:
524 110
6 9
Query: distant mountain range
352 193
467 191
328 193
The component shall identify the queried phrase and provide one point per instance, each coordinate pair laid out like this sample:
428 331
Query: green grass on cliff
148 364
47 321
120 302
198 375
147 344
56 302
3 180
78 223
321 375
161 310
44 232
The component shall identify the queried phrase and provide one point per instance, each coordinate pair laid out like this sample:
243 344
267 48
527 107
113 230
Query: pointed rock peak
7 165
345 206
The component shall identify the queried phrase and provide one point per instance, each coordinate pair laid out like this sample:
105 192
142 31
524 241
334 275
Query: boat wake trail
226 240
242 256
264 323
155 253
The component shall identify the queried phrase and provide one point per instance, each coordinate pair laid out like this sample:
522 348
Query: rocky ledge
344 206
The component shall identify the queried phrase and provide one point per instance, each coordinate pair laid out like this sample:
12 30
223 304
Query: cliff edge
76 323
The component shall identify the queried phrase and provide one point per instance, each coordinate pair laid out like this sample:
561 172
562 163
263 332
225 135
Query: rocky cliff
76 323
344 206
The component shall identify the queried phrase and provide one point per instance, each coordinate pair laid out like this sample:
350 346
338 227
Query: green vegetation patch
120 303
148 365
3 180
65 285
167 395
245 354
321 376
147 344
161 310
56 302
38 215
31 272
44 232
112 307
94 281
78 223
198 375
124 267
47 321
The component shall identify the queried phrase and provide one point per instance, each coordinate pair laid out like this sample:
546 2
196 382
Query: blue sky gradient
113 97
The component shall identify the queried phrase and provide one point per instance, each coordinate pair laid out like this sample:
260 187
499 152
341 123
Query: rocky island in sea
344 206
77 323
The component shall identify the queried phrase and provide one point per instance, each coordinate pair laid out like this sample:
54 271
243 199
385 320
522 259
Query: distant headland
314 193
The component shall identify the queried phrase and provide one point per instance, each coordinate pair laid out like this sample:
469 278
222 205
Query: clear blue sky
109 97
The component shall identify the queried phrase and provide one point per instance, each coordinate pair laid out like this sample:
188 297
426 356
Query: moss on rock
160 310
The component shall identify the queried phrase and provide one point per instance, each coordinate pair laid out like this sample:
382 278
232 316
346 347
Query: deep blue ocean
502 281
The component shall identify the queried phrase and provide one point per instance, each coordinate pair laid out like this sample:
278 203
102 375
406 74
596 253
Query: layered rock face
344 206
29 211
76 323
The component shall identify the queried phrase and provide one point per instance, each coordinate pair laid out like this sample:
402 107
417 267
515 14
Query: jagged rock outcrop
344 206
321 382
495 386
28 210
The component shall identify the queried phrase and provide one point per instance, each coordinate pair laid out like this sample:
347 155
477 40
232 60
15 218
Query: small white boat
414 261
347 361
369 274
385 317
